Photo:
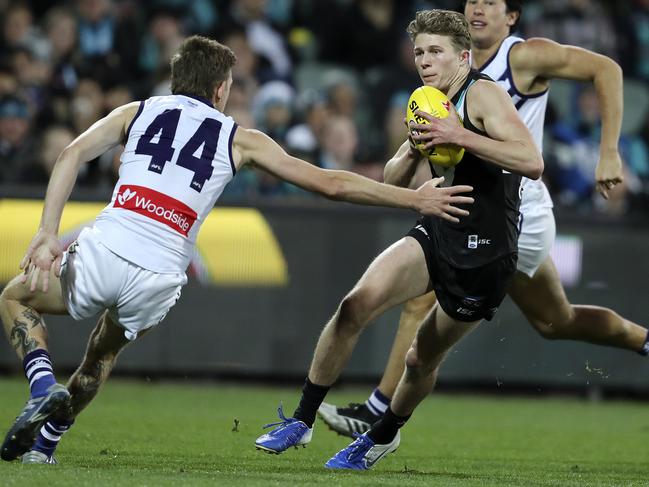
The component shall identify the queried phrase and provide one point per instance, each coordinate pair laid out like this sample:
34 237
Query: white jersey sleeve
531 109
176 163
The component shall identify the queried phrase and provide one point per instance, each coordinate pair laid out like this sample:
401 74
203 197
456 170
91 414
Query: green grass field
152 434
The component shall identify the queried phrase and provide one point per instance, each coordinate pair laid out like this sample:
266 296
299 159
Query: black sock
312 397
645 348
385 429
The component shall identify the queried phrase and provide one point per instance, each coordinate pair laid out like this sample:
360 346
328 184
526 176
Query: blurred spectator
362 34
54 140
584 23
339 144
245 71
197 16
16 146
633 29
305 138
577 153
273 109
87 104
242 92
116 97
61 28
161 40
108 44
18 30
262 36
96 28
394 126
386 86
342 92
635 150
32 73
67 63
8 82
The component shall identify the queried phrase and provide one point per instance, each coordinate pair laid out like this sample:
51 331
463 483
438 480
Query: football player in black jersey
468 263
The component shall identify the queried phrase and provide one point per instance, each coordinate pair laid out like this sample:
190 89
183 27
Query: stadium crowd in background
336 100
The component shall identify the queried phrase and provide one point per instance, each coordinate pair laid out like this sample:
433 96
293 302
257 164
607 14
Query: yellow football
431 100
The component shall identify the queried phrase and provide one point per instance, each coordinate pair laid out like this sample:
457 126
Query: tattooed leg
27 331
105 343
21 310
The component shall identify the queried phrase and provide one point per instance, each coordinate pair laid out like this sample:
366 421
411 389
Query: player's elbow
610 66
535 170
387 175
389 172
70 155
332 185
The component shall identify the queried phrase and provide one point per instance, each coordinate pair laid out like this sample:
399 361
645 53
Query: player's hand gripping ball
431 100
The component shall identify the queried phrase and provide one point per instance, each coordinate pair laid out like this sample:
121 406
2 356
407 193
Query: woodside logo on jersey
158 206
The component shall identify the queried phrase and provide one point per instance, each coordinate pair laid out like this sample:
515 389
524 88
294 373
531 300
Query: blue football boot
289 432
22 434
362 454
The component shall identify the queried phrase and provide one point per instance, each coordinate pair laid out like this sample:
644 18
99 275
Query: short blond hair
444 23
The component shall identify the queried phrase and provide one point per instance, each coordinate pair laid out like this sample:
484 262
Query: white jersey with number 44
176 163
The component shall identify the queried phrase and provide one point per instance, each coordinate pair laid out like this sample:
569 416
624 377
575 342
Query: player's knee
412 359
547 331
415 366
4 298
555 327
9 293
354 311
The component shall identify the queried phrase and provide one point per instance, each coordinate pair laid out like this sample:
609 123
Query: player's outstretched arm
257 148
539 58
45 249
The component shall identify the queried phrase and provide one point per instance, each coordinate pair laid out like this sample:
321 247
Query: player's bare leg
395 276
104 345
357 418
413 314
436 335
545 305
20 311
398 274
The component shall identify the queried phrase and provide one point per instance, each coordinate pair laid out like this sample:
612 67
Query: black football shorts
466 294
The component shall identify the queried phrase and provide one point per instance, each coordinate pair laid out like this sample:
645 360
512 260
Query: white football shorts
537 232
94 279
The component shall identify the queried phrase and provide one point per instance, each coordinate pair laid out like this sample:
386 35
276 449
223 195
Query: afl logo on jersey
158 206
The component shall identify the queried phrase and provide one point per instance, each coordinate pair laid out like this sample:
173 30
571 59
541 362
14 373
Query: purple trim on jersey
198 98
508 74
493 56
234 129
139 110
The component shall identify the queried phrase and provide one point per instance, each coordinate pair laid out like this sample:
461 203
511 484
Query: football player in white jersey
130 266
524 68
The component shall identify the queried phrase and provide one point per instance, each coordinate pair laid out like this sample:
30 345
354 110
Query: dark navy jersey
491 229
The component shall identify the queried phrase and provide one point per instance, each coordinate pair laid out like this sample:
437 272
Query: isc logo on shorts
474 241
158 206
